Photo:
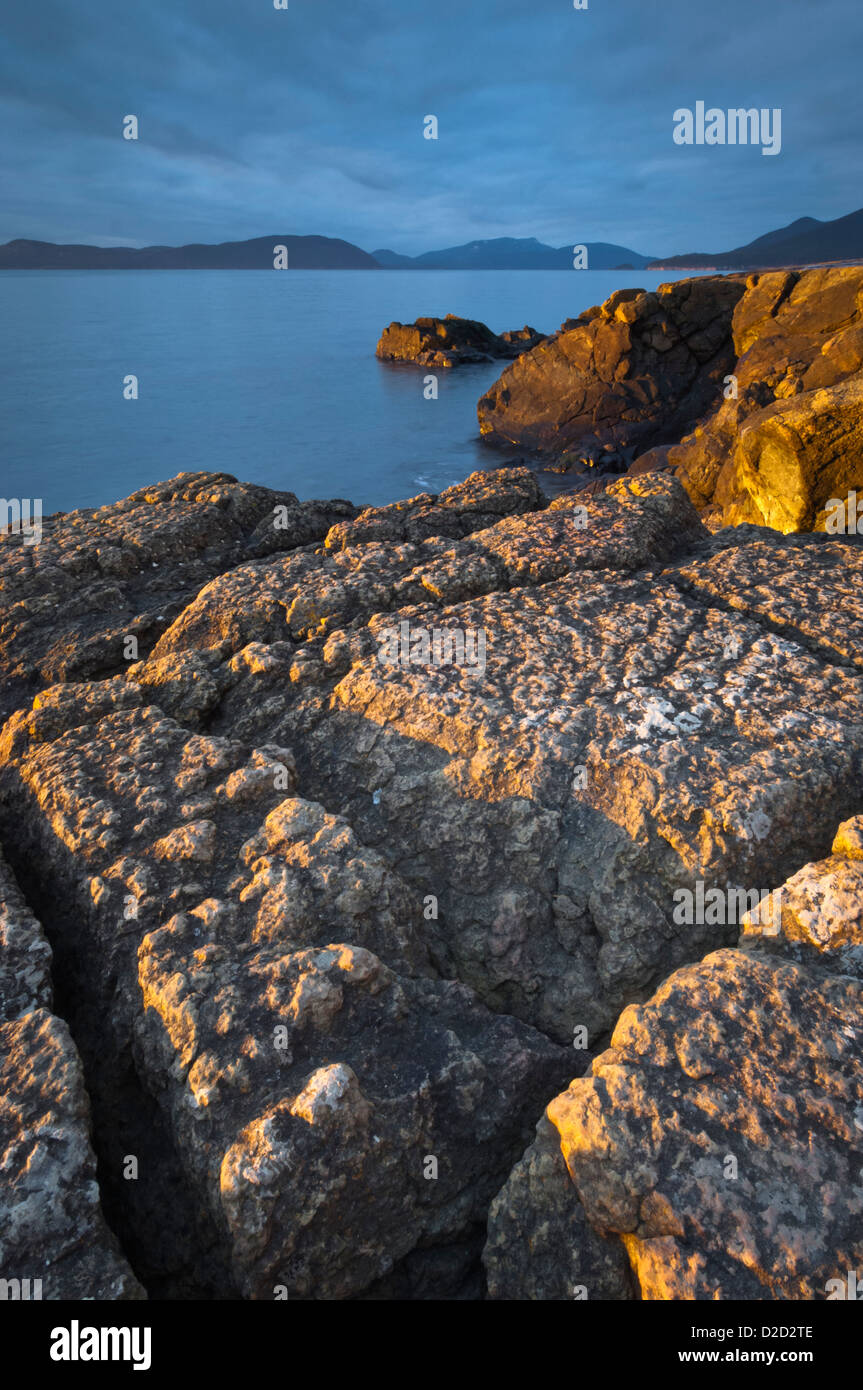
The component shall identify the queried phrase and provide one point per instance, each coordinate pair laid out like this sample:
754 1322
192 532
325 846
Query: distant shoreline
802 245
655 268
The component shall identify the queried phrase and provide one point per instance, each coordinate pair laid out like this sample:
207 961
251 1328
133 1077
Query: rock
789 440
329 908
653 461
101 576
457 511
605 462
555 899
25 956
304 1082
821 905
540 1246
450 341
749 388
519 340
849 839
714 1143
54 1241
638 371
792 457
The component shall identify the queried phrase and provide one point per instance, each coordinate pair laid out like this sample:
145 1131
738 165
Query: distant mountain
304 253
391 260
803 242
514 253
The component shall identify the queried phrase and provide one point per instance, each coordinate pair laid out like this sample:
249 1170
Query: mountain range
800 243
511 253
804 242
304 253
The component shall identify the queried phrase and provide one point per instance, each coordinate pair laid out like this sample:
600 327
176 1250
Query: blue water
269 376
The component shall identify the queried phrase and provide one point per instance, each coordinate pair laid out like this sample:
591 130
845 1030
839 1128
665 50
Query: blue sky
554 123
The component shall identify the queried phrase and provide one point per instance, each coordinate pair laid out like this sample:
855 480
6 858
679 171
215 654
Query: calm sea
269 376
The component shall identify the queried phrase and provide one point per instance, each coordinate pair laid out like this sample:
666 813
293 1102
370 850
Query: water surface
267 375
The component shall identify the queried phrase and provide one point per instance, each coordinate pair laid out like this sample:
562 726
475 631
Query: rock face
638 370
792 438
54 1242
451 341
376 825
714 1149
768 369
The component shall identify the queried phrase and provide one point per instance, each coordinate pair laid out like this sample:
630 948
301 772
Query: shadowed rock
713 1151
54 1242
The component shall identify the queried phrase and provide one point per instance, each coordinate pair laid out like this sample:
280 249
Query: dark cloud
554 123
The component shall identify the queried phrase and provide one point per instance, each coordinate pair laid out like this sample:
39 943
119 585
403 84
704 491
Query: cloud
554 123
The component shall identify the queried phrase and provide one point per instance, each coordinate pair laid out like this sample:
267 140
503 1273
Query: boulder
791 458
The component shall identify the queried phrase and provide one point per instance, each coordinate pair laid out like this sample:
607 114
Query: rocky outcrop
451 341
821 906
54 1241
749 388
713 1150
791 438
99 577
636 371
340 866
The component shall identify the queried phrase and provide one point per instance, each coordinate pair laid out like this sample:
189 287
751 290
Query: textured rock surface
210 901
52 1229
792 438
98 577
821 906
447 342
716 1144
327 920
456 512
639 369
540 1246
767 368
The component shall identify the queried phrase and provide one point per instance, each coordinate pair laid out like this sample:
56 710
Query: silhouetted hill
514 253
304 253
804 242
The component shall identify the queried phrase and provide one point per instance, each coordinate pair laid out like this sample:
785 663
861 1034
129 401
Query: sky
552 122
